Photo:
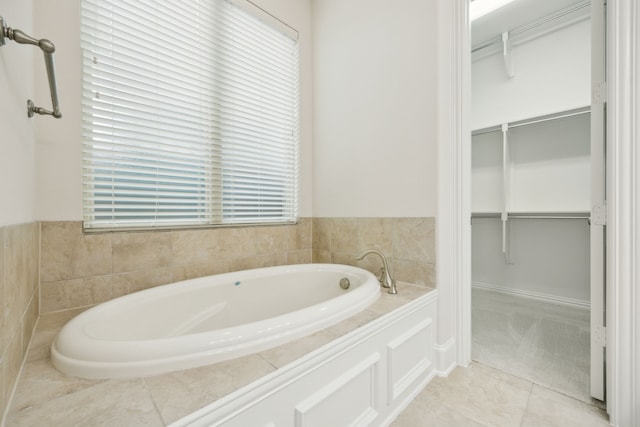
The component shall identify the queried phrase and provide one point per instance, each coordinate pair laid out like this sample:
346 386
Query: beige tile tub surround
19 260
44 396
79 269
408 243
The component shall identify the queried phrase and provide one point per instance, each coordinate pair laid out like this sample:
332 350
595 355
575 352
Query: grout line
267 360
569 396
4 417
526 407
153 402
538 384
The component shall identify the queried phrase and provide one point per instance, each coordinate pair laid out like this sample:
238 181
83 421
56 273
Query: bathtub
210 319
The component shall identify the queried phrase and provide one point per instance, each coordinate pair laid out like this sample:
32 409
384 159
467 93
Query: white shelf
533 120
535 215
546 167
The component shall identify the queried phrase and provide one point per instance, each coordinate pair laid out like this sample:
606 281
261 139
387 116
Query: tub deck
44 396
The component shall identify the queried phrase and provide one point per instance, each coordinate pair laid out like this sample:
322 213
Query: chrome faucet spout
385 279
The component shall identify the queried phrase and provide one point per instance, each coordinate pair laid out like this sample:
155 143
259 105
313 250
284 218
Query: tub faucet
385 278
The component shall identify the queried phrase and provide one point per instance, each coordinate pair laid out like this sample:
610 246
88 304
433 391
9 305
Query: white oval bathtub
206 320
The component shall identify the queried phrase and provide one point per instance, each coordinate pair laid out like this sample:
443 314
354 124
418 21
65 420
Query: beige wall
79 270
19 298
408 244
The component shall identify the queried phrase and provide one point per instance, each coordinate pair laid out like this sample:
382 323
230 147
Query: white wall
548 170
59 169
551 75
375 108
374 130
17 142
546 256
59 141
551 166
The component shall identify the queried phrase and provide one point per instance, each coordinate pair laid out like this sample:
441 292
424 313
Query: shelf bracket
599 215
507 55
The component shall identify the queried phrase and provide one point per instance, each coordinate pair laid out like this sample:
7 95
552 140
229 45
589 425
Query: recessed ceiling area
515 14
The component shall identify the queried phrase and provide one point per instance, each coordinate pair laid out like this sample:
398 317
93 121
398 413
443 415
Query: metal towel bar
47 48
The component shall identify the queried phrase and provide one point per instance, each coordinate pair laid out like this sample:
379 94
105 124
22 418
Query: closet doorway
537 191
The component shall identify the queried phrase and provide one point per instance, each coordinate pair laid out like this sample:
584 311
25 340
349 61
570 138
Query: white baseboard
533 295
445 357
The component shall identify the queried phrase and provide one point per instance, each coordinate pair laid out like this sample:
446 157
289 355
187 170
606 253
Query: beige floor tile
483 394
47 330
48 327
352 323
180 393
551 409
58 319
41 382
426 412
545 343
111 403
289 352
406 293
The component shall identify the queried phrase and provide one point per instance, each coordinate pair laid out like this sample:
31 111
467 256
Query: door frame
597 229
453 235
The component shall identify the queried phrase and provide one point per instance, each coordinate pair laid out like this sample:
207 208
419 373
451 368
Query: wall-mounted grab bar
47 48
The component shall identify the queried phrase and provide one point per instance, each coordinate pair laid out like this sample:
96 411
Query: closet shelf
534 120
535 215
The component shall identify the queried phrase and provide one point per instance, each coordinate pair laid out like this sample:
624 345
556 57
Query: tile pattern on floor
474 396
545 343
486 397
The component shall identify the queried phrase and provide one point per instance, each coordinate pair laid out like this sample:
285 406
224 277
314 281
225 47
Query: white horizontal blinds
189 115
257 86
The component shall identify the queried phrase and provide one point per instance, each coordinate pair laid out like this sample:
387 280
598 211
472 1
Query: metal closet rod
550 215
531 26
47 49
532 121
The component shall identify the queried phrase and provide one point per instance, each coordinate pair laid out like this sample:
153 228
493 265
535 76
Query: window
190 114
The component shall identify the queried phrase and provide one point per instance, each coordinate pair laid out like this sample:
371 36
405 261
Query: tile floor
543 342
475 396
486 397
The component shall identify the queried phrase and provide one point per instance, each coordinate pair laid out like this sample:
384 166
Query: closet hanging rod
534 120
547 217
550 215
518 31
47 48
578 112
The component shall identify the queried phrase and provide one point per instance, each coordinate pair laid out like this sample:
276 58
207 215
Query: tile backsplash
408 244
19 298
79 269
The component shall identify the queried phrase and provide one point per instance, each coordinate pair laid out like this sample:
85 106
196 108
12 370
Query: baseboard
533 295
445 357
